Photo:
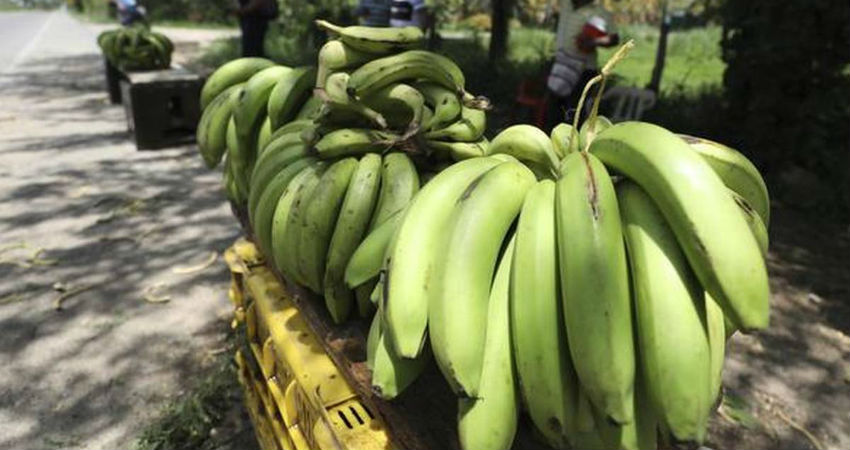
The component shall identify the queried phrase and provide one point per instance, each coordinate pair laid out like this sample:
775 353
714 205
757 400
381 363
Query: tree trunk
661 53
499 32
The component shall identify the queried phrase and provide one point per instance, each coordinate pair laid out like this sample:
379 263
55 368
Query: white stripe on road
31 44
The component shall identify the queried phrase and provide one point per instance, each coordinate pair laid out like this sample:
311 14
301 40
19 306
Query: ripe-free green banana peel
376 39
391 374
561 135
528 144
229 74
463 270
595 285
545 372
400 182
336 55
715 237
291 91
413 257
489 421
212 127
266 172
670 314
366 261
286 227
353 220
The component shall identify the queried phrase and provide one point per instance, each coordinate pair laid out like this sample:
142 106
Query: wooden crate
162 107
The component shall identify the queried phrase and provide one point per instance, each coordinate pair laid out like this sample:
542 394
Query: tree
501 28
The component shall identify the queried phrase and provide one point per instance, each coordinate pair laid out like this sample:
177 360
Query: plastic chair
629 102
531 95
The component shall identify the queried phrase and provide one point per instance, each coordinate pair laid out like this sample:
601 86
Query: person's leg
253 34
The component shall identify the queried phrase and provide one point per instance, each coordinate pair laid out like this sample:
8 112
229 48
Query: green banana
320 216
457 304
412 64
561 136
291 91
229 74
368 258
489 421
595 285
212 127
372 340
470 127
391 374
400 103
353 142
286 225
263 136
363 295
309 109
546 375
248 111
528 144
641 433
411 261
716 240
336 55
445 103
271 165
715 322
736 171
338 99
400 182
670 315
591 128
263 215
374 39
458 151
355 212
753 221
296 126
237 174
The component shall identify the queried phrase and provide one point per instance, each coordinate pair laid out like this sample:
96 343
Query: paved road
81 208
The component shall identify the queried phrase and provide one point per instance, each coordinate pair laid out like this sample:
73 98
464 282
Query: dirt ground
134 233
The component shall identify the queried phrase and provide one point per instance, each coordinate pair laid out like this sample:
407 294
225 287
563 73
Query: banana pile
589 277
319 157
136 48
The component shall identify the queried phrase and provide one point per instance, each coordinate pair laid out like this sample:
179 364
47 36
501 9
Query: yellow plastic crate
296 396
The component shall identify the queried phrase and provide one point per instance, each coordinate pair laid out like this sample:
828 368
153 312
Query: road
80 208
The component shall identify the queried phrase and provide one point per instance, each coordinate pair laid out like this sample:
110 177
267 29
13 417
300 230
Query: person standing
582 28
254 17
374 13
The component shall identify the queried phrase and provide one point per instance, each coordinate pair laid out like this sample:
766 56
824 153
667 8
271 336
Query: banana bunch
602 303
591 275
136 48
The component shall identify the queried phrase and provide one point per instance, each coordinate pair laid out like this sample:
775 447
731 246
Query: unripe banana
286 225
670 315
528 144
336 55
715 237
412 64
591 128
717 335
319 219
263 136
458 151
546 375
366 261
363 295
296 126
309 109
489 421
374 39
391 374
753 221
268 168
412 260
736 171
229 74
338 99
248 113
445 103
212 127
399 183
353 142
470 127
357 206
263 215
237 174
457 304
639 434
561 135
291 91
400 103
595 285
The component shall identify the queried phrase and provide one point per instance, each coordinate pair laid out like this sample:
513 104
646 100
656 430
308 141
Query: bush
787 86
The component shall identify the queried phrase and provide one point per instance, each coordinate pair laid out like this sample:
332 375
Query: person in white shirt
582 28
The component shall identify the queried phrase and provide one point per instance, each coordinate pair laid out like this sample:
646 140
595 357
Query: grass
188 422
